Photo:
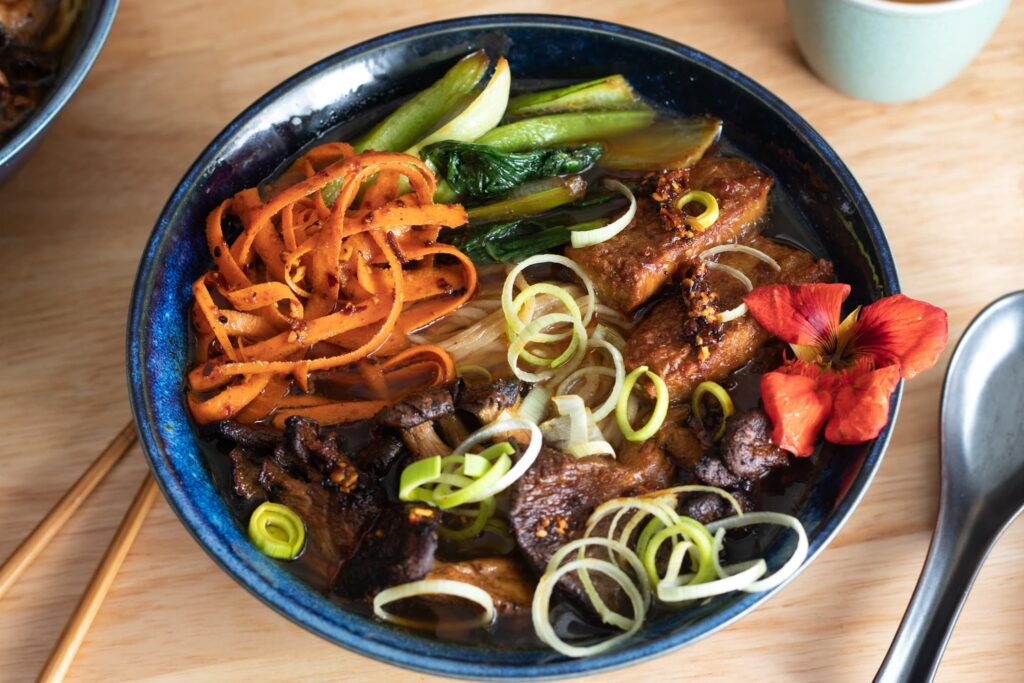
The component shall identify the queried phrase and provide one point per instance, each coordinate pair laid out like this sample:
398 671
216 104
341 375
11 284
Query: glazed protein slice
680 340
632 266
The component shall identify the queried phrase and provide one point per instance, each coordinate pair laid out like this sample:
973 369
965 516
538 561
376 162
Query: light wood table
945 175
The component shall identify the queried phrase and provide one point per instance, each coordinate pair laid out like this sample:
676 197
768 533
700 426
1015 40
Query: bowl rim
58 96
395 649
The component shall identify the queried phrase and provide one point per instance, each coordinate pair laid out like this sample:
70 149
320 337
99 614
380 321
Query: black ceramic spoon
982 483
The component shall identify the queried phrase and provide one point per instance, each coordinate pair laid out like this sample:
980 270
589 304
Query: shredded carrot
311 293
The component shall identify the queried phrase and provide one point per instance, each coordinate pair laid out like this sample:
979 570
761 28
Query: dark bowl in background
83 46
823 197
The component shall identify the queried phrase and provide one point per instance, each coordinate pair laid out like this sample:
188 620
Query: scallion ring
617 548
534 405
791 565
586 238
542 604
740 310
658 413
413 589
720 395
545 337
479 489
707 217
488 432
512 319
277 531
417 474
481 518
742 249
690 531
574 351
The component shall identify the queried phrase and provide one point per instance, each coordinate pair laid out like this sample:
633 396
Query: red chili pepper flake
393 243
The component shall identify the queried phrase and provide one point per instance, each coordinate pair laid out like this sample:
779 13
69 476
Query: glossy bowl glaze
823 197
84 45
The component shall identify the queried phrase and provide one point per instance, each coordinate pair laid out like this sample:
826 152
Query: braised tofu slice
665 342
629 268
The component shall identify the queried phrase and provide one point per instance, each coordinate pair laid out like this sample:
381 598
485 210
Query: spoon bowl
982 425
982 402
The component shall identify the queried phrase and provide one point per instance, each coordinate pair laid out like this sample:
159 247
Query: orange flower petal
798 403
798 314
903 331
860 408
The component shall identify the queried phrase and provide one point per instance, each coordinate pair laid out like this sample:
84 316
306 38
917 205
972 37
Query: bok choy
418 116
603 94
674 143
513 241
531 199
557 129
477 172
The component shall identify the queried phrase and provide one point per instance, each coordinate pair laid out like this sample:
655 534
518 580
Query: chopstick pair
88 606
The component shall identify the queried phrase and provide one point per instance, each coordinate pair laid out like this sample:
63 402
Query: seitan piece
665 342
632 266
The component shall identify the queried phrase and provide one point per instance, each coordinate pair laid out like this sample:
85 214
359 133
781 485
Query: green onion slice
488 432
277 531
475 491
707 217
742 249
512 318
482 519
587 238
458 589
416 475
791 565
657 414
474 465
535 405
571 357
695 549
542 602
720 395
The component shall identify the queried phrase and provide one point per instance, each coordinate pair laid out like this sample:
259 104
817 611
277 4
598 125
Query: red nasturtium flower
844 371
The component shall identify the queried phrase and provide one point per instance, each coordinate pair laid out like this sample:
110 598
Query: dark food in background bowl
811 189
33 34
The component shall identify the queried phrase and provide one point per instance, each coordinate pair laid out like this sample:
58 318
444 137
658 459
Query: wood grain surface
946 176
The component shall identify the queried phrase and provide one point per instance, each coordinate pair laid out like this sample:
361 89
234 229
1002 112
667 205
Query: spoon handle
958 549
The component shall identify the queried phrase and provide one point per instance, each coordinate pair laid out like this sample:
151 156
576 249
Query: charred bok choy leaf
478 172
674 143
602 94
513 241
558 129
531 199
479 116
418 116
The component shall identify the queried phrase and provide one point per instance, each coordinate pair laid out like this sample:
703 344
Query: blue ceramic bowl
83 47
813 187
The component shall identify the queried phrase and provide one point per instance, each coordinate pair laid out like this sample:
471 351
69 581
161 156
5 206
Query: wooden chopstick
78 625
44 532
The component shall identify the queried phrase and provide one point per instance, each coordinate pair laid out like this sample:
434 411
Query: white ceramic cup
889 51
